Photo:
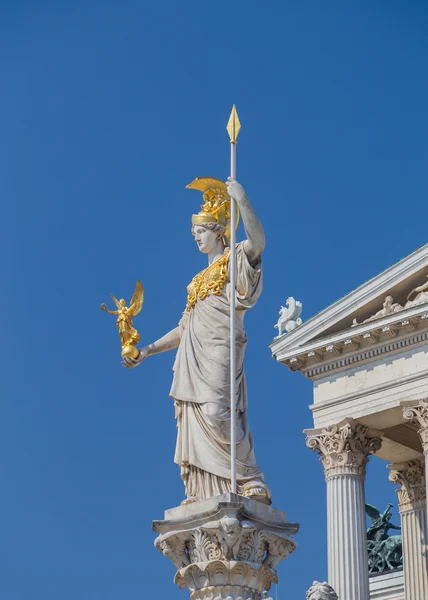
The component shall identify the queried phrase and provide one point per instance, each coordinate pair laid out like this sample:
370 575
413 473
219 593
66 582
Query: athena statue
201 379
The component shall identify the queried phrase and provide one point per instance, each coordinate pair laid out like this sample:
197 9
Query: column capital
411 478
227 546
416 412
344 448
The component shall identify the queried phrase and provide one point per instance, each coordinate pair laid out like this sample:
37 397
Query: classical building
367 355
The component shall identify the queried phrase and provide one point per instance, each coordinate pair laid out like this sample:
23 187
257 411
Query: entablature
362 343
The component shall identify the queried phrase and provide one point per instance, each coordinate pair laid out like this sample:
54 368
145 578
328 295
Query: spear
233 128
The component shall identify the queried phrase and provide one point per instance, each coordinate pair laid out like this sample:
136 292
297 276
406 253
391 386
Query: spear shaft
233 128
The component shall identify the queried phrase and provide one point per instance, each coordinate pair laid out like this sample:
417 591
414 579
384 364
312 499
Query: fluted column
412 506
416 413
344 450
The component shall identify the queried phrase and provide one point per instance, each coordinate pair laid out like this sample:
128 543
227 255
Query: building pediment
384 311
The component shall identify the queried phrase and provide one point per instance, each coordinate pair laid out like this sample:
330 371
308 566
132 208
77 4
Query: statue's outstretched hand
130 363
235 189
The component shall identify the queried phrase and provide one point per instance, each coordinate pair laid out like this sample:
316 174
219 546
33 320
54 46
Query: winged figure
289 317
128 335
385 552
381 523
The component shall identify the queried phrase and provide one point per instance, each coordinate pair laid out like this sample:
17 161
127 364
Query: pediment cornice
360 344
321 344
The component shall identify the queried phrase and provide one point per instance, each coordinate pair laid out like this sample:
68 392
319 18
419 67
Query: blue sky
107 111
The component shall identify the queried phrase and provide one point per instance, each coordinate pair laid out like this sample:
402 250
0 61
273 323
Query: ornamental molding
225 580
416 413
344 448
411 479
361 344
367 355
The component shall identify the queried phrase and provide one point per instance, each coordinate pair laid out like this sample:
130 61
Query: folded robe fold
201 388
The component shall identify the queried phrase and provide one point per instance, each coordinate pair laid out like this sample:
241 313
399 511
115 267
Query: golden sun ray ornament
129 336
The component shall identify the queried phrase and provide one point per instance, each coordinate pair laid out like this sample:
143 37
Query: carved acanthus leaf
253 547
417 414
203 547
230 580
411 478
345 447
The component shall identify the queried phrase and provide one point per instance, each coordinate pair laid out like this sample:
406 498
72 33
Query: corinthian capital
227 547
416 412
344 448
411 478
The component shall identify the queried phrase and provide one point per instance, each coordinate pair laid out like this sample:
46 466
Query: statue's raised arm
201 381
255 242
103 307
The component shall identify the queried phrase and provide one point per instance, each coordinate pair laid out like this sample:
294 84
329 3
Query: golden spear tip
233 125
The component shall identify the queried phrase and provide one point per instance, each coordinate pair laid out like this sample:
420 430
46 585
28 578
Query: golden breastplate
209 281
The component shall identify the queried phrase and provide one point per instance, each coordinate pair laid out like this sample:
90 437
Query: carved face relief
231 528
206 239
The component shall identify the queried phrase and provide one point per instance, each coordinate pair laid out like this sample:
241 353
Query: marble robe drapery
201 389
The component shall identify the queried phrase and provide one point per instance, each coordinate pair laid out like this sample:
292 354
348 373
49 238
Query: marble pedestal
225 547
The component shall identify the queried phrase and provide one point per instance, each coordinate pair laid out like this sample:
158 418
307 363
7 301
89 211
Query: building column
344 450
416 413
412 506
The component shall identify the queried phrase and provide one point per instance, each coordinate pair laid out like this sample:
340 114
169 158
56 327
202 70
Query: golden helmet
216 206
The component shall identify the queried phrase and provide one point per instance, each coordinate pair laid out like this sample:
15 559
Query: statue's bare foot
257 490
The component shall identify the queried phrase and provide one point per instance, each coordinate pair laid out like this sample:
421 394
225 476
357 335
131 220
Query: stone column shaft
346 530
414 523
412 506
344 449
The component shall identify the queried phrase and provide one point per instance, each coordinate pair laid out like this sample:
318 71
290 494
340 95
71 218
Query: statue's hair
212 226
325 588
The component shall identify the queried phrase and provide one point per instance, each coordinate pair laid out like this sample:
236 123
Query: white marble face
321 591
206 239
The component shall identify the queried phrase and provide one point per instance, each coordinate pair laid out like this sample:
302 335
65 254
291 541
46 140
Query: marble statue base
225 547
